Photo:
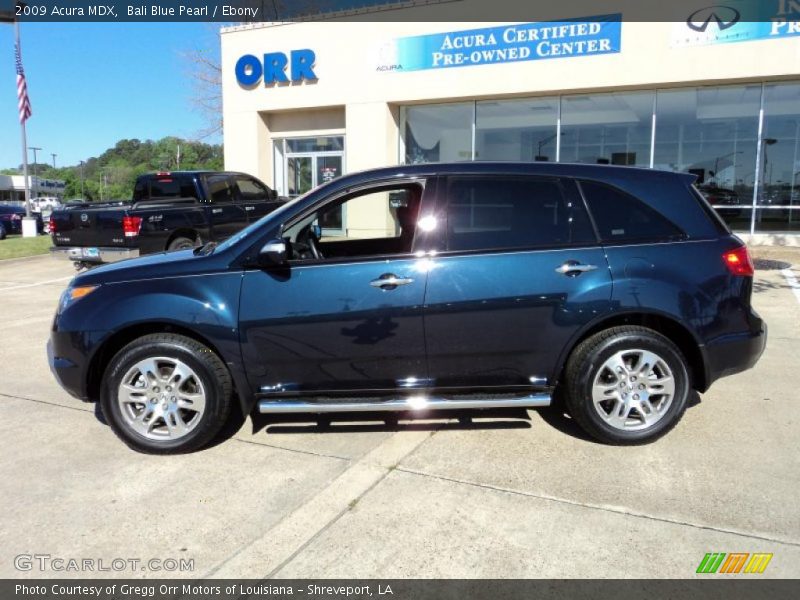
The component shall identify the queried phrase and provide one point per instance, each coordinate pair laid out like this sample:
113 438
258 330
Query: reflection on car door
519 273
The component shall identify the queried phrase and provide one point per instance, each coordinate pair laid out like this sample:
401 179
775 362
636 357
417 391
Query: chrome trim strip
412 403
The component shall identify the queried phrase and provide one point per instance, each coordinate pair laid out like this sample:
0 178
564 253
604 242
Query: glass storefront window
438 132
607 128
713 133
779 193
516 129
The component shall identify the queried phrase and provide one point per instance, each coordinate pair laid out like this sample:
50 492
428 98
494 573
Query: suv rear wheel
627 385
166 393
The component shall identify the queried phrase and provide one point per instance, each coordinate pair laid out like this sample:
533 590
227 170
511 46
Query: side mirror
273 253
273 194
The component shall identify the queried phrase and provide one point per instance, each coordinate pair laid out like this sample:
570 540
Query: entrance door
304 172
304 163
299 175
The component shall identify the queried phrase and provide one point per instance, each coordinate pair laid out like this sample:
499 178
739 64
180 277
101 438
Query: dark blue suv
416 288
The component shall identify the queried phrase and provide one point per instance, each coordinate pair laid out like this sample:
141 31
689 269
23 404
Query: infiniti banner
508 43
729 23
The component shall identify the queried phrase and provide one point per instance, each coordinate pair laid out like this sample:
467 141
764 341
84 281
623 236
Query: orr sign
273 67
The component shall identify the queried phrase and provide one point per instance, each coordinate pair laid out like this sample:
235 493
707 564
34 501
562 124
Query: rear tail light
738 262
131 226
52 225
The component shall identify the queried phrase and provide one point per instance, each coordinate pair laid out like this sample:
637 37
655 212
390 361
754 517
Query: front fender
206 305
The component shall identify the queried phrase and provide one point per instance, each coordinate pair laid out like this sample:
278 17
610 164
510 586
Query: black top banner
254 11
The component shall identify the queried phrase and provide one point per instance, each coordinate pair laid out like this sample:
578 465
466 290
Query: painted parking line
38 283
792 281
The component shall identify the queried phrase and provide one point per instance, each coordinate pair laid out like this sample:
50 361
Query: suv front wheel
165 393
627 385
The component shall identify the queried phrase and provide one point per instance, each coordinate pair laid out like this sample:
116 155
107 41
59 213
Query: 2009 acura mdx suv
416 288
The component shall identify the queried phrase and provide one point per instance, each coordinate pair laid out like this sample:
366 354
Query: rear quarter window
621 217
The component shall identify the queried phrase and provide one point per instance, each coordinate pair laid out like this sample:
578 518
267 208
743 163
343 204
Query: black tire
211 372
181 243
3 233
584 366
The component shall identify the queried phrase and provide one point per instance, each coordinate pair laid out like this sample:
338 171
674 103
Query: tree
111 176
205 72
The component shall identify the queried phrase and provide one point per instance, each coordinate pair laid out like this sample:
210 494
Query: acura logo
724 16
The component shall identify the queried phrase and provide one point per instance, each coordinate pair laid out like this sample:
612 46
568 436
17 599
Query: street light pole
34 163
82 196
54 159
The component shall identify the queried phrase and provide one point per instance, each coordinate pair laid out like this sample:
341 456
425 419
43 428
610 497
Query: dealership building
713 95
12 188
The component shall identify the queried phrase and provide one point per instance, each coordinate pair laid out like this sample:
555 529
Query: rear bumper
732 354
93 255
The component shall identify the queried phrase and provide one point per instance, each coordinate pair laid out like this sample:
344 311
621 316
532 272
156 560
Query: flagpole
24 142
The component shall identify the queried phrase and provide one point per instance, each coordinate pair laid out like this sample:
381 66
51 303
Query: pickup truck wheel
181 243
627 385
166 393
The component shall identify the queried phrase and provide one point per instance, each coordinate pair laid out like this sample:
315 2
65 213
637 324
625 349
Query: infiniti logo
84 217
724 16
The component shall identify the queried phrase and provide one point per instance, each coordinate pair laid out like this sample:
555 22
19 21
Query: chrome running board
411 403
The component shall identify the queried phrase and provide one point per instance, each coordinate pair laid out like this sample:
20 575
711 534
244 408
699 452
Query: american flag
23 102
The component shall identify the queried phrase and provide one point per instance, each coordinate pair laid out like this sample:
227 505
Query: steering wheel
313 244
307 244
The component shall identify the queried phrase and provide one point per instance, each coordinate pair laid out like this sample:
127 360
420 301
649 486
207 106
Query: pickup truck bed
93 233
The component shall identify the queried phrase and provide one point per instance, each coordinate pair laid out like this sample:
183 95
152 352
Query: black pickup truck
169 211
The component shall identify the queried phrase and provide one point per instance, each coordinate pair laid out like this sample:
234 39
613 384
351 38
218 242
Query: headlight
73 294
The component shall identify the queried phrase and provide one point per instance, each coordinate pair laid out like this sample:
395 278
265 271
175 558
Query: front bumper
68 374
732 354
93 255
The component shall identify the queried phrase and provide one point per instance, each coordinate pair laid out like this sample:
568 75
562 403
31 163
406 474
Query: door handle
572 268
389 281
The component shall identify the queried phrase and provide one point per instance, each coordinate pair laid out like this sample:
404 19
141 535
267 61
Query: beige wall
352 97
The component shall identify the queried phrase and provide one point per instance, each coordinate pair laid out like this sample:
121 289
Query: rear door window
502 212
220 190
621 218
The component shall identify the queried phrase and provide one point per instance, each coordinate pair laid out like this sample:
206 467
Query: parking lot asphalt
502 494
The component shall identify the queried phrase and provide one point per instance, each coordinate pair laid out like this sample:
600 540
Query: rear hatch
99 226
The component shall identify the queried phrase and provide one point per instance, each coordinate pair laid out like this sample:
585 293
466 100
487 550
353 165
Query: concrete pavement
514 494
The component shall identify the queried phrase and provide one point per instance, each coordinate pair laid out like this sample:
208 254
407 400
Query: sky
93 84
